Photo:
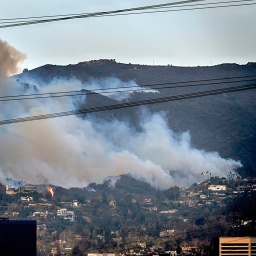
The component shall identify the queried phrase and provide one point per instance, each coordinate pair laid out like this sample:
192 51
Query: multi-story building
237 246
67 215
28 189
10 190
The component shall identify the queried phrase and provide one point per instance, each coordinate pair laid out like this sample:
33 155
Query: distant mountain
224 123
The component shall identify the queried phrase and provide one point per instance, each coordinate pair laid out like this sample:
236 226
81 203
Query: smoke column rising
9 59
71 151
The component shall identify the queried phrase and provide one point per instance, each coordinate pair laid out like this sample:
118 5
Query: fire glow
50 189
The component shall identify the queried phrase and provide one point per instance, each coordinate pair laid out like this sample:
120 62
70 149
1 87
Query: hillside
113 218
223 123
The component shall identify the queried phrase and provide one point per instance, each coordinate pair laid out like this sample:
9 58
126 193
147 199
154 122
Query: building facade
237 246
67 215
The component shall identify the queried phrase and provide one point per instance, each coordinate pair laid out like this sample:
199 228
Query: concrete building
237 246
28 189
67 215
10 190
75 203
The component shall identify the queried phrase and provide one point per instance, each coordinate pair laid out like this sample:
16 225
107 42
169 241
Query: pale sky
200 37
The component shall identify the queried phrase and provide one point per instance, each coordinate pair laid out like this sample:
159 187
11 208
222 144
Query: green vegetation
116 219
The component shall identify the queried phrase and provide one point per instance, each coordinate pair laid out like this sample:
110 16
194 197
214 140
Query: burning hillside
75 151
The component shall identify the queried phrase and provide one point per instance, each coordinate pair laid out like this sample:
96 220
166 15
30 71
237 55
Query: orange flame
51 191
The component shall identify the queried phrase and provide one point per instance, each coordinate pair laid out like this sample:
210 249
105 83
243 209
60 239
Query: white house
26 198
75 203
217 187
65 214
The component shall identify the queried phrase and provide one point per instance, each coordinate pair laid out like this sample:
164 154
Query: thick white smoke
71 151
117 89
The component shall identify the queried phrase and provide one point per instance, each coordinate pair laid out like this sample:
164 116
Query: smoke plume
74 151
9 59
119 90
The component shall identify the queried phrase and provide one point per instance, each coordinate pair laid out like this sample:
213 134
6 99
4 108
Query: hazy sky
201 37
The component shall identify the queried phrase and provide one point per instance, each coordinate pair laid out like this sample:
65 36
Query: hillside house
112 203
75 203
40 214
10 190
167 232
27 189
15 214
147 201
169 211
217 187
65 214
26 198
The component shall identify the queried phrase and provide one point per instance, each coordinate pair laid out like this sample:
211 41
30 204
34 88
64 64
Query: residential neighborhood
154 221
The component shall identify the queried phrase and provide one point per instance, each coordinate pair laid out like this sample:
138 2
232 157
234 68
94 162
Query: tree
178 250
199 221
172 193
104 198
77 252
107 233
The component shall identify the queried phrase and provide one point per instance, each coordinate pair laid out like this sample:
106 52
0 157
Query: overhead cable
130 104
110 90
161 6
99 14
188 9
131 11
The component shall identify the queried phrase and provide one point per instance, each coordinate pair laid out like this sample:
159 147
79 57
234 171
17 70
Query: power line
130 88
99 14
211 3
130 11
130 104
187 9
162 6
